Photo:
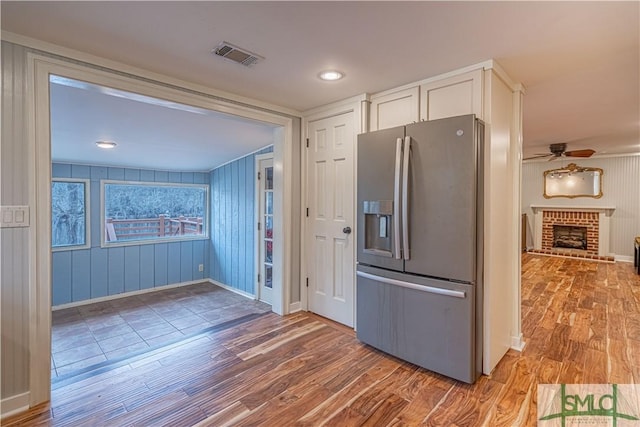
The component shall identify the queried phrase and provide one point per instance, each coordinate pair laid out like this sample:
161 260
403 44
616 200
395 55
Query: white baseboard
295 306
14 405
518 343
623 258
128 294
234 290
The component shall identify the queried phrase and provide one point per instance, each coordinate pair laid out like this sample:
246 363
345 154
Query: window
69 214
143 212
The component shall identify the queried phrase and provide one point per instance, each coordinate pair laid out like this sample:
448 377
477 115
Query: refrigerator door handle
405 198
409 285
396 200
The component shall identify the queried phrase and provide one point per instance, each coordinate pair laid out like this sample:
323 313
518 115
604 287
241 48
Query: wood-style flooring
581 322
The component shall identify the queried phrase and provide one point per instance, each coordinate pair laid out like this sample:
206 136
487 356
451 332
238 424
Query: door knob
346 230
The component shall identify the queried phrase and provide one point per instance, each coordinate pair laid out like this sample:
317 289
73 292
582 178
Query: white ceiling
150 133
579 61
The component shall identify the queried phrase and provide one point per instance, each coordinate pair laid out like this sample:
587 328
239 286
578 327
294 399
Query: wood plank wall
83 274
14 242
232 244
620 187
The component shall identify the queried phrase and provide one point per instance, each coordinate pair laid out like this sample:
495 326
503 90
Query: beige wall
621 188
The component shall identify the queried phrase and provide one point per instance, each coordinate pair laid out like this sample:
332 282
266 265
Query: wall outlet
200 267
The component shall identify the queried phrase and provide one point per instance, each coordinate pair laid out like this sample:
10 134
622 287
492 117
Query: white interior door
264 191
330 197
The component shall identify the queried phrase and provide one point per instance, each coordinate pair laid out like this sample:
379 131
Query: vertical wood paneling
199 253
80 275
115 279
242 220
235 224
173 262
160 265
147 175
621 188
186 178
99 273
206 259
214 254
175 177
61 170
131 268
132 174
138 270
186 261
200 178
94 220
147 266
14 242
231 249
161 176
99 172
61 278
116 173
80 171
249 196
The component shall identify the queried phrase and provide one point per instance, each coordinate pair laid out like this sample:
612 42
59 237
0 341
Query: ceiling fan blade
537 156
579 153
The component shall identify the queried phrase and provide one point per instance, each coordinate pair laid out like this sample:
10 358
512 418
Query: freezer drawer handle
430 289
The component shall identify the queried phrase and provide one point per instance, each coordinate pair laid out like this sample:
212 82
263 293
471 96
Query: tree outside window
69 214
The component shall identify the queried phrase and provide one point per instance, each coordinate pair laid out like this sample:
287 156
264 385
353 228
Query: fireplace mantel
604 216
607 210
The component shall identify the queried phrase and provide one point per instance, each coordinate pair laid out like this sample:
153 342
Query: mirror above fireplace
573 181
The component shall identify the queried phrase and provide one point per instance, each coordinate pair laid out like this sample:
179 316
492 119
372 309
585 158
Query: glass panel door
265 220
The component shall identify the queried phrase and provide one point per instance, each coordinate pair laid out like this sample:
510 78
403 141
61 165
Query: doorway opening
132 220
281 128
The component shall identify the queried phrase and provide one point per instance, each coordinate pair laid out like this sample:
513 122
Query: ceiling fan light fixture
107 145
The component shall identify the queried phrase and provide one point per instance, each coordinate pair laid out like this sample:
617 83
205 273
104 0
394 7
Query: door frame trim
39 67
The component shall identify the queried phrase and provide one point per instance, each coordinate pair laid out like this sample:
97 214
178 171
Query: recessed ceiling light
106 144
331 75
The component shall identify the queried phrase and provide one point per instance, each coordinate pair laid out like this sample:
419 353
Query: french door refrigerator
419 272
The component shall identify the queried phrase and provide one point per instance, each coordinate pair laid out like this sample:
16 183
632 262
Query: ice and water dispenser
378 217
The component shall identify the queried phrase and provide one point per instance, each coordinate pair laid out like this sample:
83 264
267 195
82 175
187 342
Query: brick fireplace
587 225
587 220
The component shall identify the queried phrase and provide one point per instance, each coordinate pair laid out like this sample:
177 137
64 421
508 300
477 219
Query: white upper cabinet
432 99
390 109
453 96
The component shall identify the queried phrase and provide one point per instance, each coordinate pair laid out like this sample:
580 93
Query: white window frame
205 220
87 215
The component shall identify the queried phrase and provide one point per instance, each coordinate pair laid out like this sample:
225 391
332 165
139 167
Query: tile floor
90 334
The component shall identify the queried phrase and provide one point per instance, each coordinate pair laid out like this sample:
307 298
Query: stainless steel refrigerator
419 272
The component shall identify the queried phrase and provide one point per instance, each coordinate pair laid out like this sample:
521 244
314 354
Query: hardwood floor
581 322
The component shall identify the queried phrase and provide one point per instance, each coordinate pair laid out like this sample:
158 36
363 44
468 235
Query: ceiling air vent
236 54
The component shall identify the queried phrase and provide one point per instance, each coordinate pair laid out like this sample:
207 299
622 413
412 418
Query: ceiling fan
560 150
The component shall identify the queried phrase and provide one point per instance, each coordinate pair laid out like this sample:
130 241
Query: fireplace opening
567 236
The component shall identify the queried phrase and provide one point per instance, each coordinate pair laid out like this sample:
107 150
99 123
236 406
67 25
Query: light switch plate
14 216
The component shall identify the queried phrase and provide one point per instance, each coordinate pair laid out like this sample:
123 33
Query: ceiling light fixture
106 144
330 75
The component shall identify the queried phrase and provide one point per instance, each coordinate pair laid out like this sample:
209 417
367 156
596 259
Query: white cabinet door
395 109
454 96
330 188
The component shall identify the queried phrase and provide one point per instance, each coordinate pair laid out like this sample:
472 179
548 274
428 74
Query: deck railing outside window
149 228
